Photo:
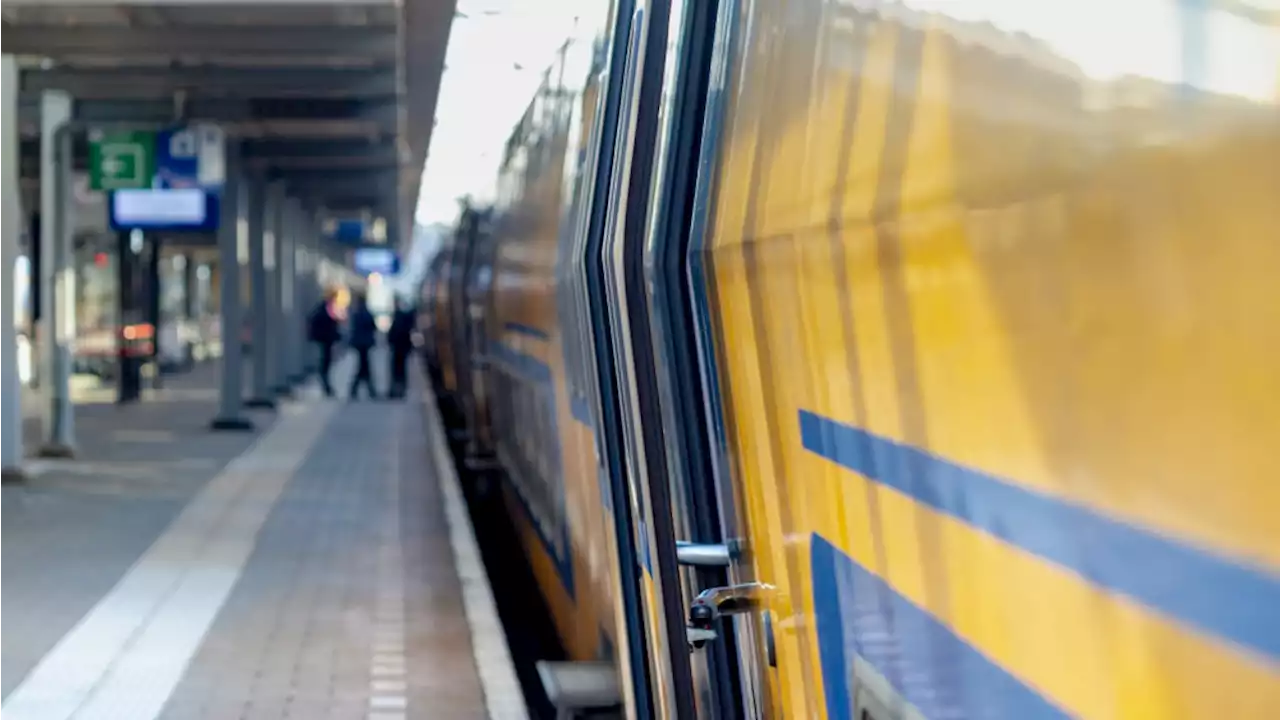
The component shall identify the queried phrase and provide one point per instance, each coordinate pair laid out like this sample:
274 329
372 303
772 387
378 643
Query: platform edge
503 696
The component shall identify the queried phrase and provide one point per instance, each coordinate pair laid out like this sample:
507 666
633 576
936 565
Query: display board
185 209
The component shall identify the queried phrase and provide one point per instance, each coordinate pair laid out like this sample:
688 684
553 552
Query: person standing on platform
362 336
400 338
322 329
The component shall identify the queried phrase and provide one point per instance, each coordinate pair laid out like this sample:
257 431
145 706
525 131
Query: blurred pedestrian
322 329
362 336
400 338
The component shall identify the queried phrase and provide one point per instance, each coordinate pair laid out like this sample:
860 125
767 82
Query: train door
587 289
479 283
459 277
658 26
730 616
427 323
763 604
684 491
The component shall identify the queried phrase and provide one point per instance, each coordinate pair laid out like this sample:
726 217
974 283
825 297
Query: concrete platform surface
308 570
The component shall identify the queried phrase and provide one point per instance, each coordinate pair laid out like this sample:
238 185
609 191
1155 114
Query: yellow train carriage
919 352
428 306
443 309
543 428
540 397
996 327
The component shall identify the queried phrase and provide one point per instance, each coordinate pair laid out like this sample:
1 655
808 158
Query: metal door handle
715 602
702 554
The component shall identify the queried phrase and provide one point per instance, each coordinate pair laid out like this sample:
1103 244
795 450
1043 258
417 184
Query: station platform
322 566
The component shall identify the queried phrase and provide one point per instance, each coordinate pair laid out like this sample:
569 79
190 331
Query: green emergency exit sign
121 160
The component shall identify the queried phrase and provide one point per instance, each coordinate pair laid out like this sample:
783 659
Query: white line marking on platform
388 702
503 696
125 657
389 627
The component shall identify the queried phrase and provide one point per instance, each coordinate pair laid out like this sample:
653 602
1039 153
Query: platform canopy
337 97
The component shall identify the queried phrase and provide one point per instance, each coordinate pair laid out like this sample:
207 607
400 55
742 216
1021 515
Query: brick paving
186 402
75 527
348 605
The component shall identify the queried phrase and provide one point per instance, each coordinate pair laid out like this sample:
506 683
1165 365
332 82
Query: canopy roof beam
150 82
124 42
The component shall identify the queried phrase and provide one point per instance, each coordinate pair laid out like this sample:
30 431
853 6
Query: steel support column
288 296
277 217
57 276
309 298
189 314
260 239
299 295
13 218
232 223
302 292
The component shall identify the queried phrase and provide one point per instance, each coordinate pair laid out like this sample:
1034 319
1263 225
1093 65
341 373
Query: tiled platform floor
76 527
311 576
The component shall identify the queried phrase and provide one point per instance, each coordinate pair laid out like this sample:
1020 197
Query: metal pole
152 308
57 327
232 223
288 300
301 295
279 354
306 286
297 326
302 291
189 315
301 301
259 229
130 296
13 218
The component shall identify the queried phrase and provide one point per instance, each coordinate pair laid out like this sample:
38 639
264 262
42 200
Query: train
889 360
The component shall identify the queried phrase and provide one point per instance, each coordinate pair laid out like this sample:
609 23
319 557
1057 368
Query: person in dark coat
400 338
322 329
362 336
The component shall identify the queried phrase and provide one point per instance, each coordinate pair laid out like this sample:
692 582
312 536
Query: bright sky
483 93
498 50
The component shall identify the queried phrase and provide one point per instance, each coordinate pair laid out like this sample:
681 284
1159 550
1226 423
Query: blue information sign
190 157
188 210
370 260
349 231
177 159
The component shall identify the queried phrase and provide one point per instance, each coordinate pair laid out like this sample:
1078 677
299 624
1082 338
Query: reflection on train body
953 323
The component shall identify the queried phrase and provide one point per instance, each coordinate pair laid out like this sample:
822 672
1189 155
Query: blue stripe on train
528 369
528 330
858 614
580 410
536 371
533 369
1220 597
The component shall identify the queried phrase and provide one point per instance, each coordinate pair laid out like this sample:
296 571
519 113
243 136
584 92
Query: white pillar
57 275
14 219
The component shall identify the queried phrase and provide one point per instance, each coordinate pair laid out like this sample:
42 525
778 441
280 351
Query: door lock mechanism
715 602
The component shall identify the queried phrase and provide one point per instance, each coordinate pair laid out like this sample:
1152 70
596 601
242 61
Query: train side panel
427 317
442 316
544 433
997 325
